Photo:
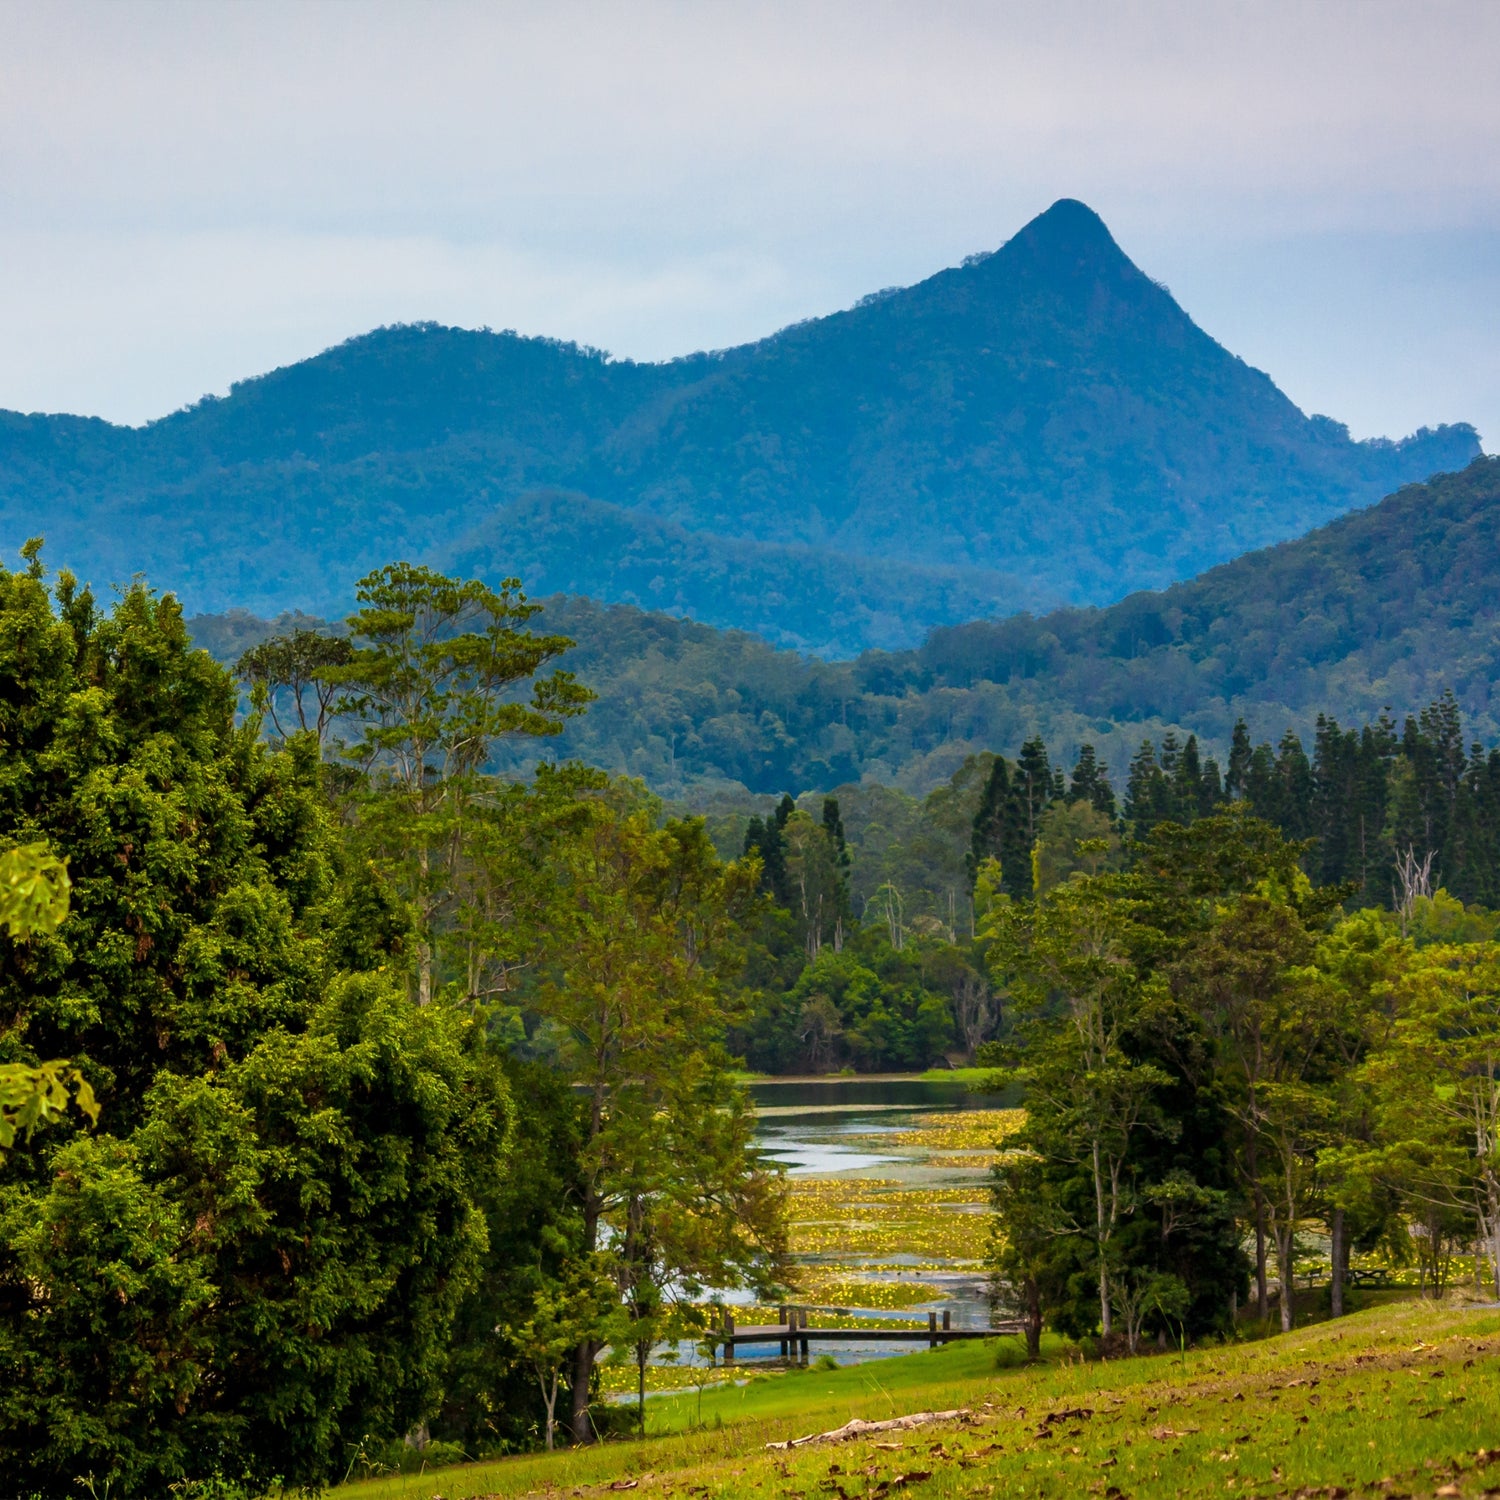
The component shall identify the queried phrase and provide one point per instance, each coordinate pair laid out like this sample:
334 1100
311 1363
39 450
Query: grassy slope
1405 1392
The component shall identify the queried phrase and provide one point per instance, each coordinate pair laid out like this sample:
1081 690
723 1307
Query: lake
885 1199
889 1182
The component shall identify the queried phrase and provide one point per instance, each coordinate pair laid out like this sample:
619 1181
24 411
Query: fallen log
859 1428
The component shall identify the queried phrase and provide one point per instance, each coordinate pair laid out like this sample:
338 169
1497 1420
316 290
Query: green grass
957 1075
1407 1392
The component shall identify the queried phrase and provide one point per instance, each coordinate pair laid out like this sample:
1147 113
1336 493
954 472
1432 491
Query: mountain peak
1067 235
1047 414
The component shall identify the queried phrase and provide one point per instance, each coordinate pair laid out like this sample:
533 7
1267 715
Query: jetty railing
794 1333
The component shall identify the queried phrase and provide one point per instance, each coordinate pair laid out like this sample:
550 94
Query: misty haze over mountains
1039 426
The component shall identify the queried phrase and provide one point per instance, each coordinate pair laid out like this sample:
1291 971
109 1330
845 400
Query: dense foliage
1045 417
415 1082
325 1199
1216 1057
827 602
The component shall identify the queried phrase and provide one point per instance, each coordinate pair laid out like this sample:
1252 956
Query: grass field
969 1076
1402 1399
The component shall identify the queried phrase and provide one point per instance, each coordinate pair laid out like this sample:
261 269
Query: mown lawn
1398 1400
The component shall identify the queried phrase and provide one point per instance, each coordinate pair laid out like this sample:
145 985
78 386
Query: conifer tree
1188 786
833 831
1090 783
1477 831
1260 781
1031 787
1292 798
1210 789
766 837
1238 770
1147 795
986 836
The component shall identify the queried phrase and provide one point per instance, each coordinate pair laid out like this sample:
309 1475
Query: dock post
728 1337
947 1320
782 1314
802 1320
932 1330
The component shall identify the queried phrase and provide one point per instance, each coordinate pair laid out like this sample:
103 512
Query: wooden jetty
794 1333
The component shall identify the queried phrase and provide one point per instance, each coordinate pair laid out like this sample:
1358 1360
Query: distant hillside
1037 426
811 599
1386 607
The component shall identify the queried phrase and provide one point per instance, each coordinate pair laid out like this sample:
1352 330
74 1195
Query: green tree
491 1401
267 1266
1027 1230
1437 1085
988 834
199 862
260 1252
1362 961
1090 783
833 831
1274 1016
639 996
1073 838
295 675
433 682
579 1307
815 875
34 889
1070 963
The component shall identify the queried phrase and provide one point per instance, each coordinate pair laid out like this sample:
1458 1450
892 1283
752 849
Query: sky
194 193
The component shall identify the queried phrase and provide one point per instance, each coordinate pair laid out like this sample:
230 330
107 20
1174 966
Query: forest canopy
388 1091
1383 610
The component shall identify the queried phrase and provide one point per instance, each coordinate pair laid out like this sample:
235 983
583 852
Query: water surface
821 1128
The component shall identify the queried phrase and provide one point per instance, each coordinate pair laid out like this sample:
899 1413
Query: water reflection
803 1123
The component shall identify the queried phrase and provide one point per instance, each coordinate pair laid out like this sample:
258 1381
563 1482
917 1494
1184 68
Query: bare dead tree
1413 879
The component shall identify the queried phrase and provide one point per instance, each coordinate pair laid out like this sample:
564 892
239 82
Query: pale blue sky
191 193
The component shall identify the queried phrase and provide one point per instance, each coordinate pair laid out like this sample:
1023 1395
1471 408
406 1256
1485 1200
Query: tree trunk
1495 1253
1338 1254
1286 1268
424 974
1262 1294
424 942
1033 1320
1106 1324
581 1423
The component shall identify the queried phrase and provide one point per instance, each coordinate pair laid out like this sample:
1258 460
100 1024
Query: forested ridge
1386 608
1042 424
356 1097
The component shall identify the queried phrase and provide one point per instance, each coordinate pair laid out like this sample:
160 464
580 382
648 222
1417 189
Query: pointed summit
1067 242
1069 226
1045 413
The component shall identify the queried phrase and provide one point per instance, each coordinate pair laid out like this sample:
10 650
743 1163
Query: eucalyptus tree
435 680
1287 1035
1437 1086
638 996
292 675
